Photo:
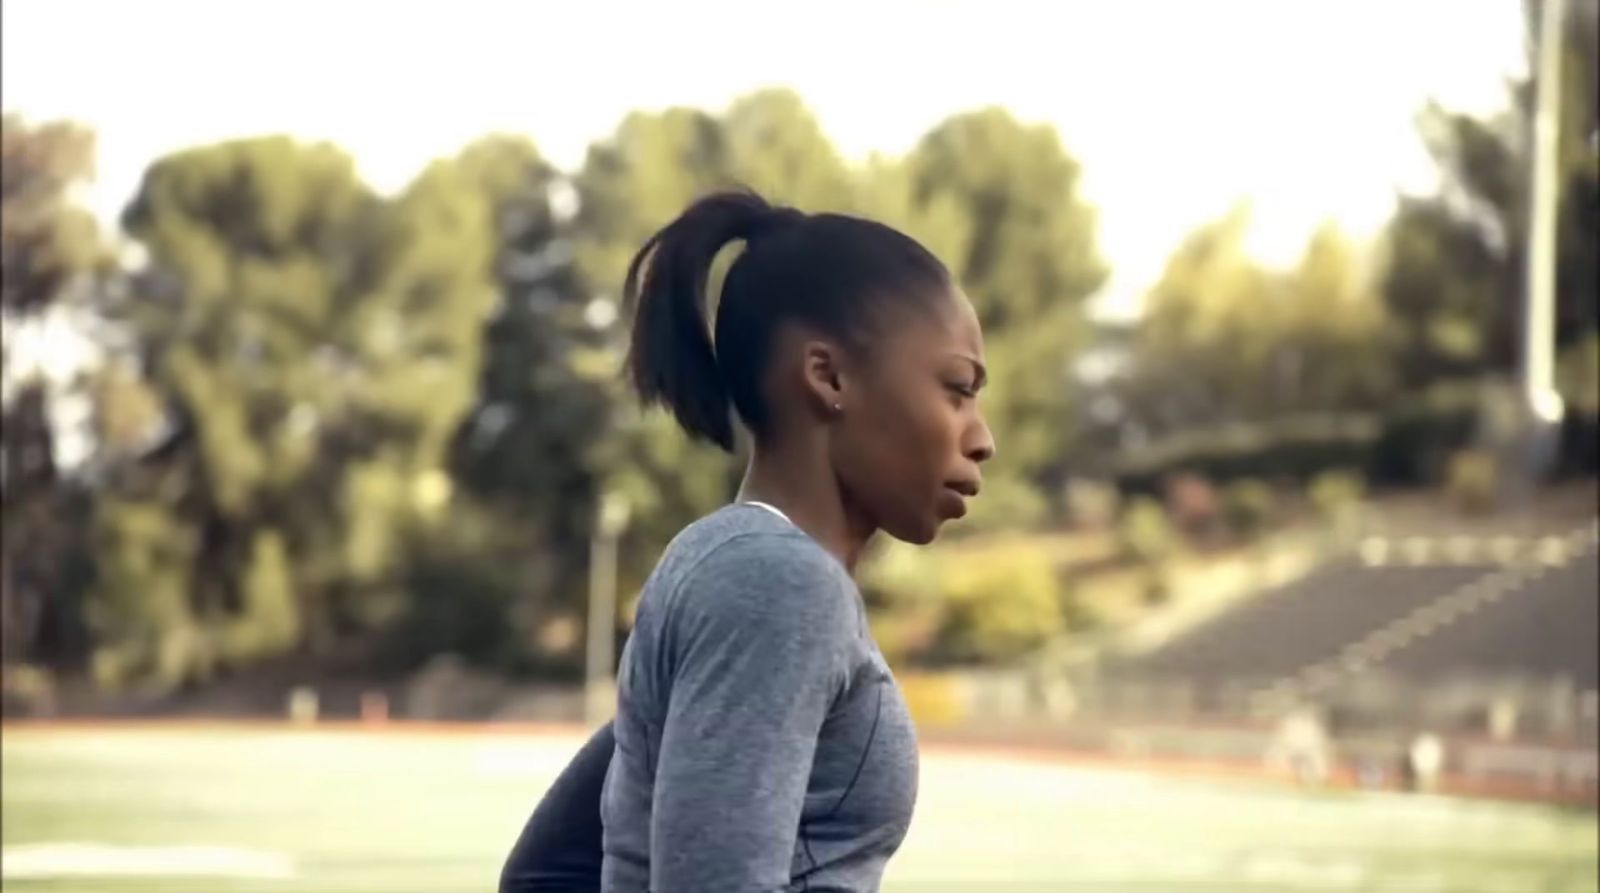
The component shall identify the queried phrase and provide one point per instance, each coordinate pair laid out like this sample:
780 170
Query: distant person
761 743
1426 758
1301 746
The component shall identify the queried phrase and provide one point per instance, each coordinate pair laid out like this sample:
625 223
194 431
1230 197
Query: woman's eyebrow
983 374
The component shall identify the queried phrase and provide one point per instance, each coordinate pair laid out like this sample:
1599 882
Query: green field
230 809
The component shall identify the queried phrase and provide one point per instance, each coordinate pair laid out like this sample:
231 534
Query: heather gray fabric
762 743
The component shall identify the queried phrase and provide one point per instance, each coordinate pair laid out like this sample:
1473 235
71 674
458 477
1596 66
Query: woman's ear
824 375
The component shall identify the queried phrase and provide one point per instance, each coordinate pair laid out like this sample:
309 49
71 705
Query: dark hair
831 271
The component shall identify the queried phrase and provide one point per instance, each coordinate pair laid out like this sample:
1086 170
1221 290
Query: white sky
1175 107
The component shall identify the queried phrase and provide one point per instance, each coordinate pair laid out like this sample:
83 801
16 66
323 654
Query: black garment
560 849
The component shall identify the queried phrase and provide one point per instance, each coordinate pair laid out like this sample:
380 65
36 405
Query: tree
776 147
1029 263
317 347
1455 284
1332 355
528 454
1226 340
1207 336
52 260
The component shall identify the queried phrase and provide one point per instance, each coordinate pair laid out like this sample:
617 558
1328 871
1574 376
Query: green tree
317 347
1027 260
1454 284
1332 354
776 147
52 262
529 452
1226 340
1207 335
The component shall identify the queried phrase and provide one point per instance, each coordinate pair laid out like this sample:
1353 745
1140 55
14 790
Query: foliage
1145 533
52 262
340 416
47 242
1028 261
528 454
1249 505
1472 480
1335 494
1226 341
316 348
1006 504
1453 280
998 611
934 606
1293 446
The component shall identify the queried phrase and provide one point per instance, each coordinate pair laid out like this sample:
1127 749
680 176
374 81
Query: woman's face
910 437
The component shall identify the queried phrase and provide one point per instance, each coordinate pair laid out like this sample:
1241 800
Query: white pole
600 651
1538 366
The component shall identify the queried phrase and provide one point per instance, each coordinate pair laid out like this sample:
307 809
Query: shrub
1092 503
1144 533
1193 503
996 611
1472 480
1249 505
1336 494
1419 435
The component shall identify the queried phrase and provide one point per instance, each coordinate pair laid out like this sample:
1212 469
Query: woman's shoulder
744 557
743 537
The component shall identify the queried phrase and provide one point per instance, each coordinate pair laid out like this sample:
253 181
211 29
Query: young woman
761 743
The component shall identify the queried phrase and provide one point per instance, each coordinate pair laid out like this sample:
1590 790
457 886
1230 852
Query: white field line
46 861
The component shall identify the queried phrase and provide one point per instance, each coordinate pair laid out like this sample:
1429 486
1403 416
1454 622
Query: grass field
186 809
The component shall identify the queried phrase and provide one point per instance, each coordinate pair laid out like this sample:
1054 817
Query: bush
1472 481
1580 444
1578 376
1154 586
1409 444
997 611
1296 448
1335 494
1144 533
1420 434
947 607
1193 503
1092 503
466 590
270 622
1249 506
900 585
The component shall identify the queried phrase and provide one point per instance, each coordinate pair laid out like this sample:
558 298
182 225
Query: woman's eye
967 391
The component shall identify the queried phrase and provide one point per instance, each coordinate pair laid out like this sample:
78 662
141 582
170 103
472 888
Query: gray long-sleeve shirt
762 743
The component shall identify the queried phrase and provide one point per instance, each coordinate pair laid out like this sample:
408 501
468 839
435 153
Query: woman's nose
980 444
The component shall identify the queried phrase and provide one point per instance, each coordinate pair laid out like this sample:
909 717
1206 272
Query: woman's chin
919 534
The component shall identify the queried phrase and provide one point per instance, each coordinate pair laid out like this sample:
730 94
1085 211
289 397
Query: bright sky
1175 107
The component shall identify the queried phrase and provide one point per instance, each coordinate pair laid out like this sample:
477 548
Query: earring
838 408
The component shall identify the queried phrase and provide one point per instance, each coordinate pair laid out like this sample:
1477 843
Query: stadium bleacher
1537 623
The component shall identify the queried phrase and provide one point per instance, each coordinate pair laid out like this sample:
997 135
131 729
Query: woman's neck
800 483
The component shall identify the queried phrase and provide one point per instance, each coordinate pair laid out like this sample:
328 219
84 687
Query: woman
761 742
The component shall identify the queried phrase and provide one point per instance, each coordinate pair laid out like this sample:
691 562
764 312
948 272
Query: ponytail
829 271
671 360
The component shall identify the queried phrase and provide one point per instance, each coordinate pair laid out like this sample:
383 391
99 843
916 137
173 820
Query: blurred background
325 508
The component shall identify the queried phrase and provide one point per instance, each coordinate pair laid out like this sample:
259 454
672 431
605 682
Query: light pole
1540 399
611 519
